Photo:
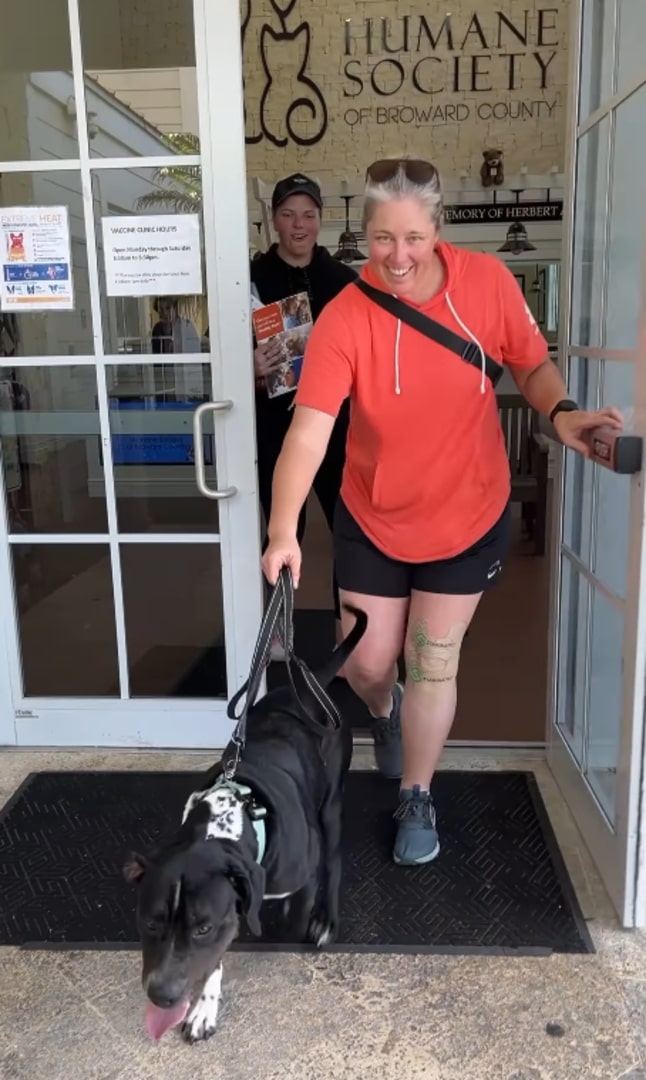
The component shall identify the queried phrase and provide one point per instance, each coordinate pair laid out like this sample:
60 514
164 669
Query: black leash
278 619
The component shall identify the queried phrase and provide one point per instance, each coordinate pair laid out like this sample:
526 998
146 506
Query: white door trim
618 848
175 722
219 58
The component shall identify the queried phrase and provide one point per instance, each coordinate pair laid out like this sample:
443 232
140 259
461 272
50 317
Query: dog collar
256 812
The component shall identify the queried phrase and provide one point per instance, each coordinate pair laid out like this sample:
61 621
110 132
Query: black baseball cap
296 184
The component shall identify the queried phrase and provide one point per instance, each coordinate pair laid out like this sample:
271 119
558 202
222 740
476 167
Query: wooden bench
528 460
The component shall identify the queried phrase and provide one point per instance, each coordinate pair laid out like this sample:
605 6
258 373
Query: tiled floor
78 1015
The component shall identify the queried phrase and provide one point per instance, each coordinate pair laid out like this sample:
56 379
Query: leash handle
325 701
280 609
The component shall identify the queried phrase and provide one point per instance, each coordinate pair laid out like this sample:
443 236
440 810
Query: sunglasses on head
417 171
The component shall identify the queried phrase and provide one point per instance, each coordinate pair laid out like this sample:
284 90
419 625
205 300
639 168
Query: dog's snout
165 993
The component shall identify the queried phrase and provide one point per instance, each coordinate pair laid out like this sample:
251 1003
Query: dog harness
255 811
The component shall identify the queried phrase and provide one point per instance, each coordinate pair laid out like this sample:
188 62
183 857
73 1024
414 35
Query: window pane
151 419
577 506
606 697
174 620
36 85
612 514
141 89
49 429
618 385
572 675
596 55
579 473
589 232
66 620
631 32
553 286
627 220
612 510
150 323
47 332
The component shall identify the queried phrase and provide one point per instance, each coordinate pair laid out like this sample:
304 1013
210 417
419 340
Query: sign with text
435 69
438 59
153 255
36 258
502 213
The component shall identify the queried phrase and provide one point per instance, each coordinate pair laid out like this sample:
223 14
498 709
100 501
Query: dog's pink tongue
159 1021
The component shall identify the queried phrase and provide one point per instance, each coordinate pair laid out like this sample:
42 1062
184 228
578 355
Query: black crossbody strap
466 350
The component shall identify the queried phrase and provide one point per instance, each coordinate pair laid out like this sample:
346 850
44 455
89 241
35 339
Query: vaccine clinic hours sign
153 254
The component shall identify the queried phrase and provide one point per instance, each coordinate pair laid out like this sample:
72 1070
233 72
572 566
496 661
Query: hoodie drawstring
483 363
398 388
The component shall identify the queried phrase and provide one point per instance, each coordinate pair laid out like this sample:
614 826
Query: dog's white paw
201 1022
321 932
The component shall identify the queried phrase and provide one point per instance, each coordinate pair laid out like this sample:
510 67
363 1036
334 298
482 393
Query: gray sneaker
417 840
387 735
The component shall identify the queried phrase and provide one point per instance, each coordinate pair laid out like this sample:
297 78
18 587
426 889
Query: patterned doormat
498 886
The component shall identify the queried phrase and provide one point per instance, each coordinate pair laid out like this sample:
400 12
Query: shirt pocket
395 489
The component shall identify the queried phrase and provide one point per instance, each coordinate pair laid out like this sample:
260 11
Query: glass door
131 600
596 741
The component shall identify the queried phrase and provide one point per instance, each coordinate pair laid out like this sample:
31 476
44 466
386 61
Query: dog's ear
134 868
249 882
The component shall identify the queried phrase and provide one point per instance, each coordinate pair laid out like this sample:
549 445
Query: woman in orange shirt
422 524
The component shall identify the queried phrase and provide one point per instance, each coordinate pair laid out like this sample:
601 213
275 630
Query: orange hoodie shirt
426 471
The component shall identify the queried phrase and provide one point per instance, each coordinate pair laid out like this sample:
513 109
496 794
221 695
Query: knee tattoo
431 659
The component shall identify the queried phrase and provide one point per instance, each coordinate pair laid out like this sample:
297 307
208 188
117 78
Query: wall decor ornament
305 120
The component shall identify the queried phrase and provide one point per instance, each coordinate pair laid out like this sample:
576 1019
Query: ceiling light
517 241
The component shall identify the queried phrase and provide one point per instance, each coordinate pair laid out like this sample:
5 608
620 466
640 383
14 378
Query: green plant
179 187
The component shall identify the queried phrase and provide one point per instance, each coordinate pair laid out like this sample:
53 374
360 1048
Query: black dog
272 833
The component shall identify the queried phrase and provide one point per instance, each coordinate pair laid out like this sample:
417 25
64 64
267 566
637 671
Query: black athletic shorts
363 568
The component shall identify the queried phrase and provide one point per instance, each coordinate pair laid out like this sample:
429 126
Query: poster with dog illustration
35 259
289 322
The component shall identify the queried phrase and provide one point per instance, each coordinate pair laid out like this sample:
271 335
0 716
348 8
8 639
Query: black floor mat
499 884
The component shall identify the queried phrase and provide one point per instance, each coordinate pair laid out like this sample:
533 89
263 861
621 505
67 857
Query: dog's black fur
191 890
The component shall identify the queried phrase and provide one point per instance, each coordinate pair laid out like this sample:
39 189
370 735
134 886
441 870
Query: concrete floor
78 1015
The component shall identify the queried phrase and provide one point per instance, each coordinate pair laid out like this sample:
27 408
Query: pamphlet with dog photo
290 322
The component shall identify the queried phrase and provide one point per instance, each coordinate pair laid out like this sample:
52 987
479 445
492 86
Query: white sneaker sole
421 861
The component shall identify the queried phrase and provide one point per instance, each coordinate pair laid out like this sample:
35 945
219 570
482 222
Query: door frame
167 722
620 851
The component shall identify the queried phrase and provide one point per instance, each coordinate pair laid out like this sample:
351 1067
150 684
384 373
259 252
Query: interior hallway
503 670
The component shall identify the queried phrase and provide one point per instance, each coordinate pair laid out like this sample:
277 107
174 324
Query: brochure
289 321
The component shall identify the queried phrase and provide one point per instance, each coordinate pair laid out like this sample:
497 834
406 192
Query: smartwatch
566 405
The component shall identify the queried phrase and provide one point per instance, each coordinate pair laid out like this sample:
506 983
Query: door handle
198 448
614 450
